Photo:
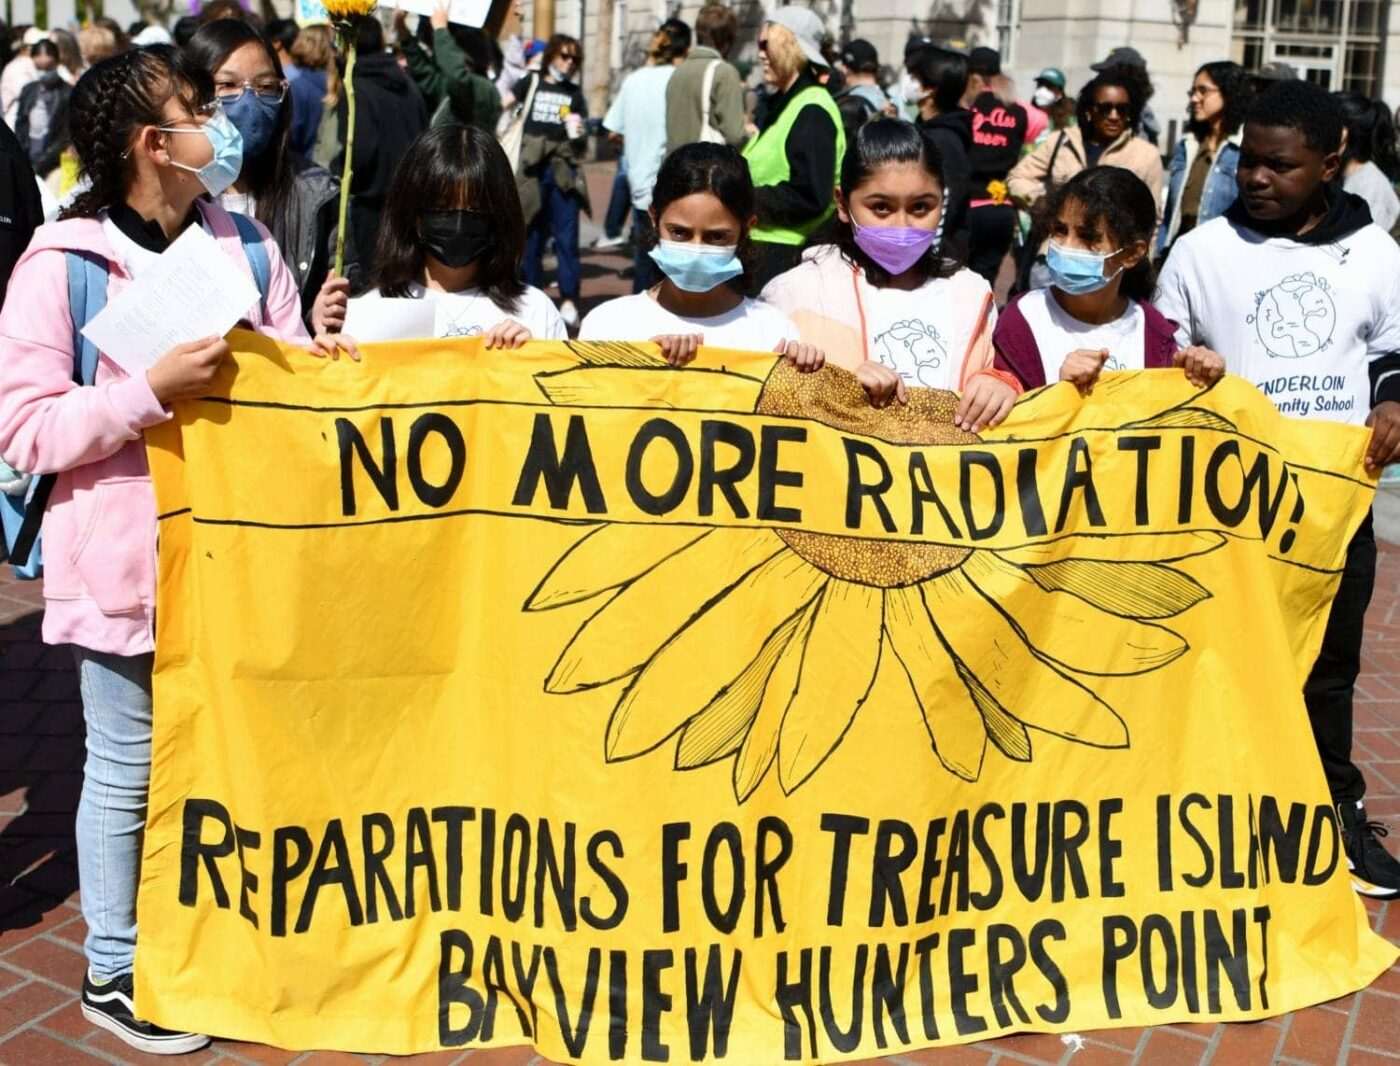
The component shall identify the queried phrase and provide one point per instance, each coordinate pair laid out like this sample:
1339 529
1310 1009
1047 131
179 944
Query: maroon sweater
1019 355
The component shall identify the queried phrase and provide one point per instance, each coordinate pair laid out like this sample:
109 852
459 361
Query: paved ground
41 930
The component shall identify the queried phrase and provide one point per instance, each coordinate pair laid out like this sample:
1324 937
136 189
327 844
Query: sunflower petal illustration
1010 736
1129 590
701 656
616 353
651 386
951 716
1069 630
1185 417
1025 685
760 745
720 728
1140 547
839 661
626 631
605 558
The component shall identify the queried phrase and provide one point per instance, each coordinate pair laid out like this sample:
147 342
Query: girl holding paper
453 233
154 147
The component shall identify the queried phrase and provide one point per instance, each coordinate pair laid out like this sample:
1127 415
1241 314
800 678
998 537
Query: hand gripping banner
559 697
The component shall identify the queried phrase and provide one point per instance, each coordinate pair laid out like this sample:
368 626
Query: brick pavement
41 930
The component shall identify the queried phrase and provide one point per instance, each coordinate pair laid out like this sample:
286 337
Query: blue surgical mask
256 119
697 267
223 170
1076 272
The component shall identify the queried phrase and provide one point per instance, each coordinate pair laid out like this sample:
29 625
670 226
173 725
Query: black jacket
812 163
389 114
998 132
21 210
952 136
53 92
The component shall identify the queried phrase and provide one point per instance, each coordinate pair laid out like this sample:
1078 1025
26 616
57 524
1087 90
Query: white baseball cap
804 24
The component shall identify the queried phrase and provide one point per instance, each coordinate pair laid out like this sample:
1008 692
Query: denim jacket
1217 196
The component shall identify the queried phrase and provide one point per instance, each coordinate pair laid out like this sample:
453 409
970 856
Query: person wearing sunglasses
1108 111
296 200
550 175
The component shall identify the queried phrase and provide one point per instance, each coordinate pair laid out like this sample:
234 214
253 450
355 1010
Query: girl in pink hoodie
153 146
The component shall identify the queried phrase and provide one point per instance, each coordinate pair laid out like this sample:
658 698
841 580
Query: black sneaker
1374 871
109 1006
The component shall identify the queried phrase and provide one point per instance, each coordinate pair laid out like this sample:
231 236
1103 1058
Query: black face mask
456 238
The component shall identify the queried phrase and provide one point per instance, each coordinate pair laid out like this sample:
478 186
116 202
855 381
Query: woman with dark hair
883 300
800 142
937 83
1201 176
550 175
296 200
452 233
41 115
1095 315
702 211
1108 109
1369 164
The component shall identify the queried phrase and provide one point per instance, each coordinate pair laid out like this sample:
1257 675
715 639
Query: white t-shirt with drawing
1301 321
921 334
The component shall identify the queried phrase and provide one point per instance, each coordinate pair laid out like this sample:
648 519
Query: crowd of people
832 212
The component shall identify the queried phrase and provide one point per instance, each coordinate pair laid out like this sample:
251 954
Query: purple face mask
896 248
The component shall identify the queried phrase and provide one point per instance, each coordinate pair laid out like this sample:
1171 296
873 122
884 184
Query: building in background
1341 44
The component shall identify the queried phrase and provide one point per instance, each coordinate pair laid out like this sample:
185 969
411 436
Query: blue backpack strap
256 251
87 295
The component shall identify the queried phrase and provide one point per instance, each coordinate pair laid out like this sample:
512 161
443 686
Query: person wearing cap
1049 91
19 72
1272 73
793 161
1130 63
998 132
705 96
862 99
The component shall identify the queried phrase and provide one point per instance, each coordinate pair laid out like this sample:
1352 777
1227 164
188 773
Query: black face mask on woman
456 238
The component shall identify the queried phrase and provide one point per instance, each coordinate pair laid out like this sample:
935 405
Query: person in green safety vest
800 142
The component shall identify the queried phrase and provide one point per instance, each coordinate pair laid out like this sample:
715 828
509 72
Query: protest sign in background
557 696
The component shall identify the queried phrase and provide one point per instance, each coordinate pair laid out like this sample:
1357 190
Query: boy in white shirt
1300 292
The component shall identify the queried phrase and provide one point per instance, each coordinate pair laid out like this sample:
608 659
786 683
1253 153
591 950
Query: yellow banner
559 697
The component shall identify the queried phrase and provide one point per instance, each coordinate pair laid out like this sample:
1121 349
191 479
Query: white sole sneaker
151 1044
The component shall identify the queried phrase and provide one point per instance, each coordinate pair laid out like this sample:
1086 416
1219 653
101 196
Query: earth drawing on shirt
917 342
1296 317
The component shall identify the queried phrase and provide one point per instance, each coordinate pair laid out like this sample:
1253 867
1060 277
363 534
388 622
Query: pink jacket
100 528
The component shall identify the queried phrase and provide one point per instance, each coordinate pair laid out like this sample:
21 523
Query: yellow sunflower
993 643
346 9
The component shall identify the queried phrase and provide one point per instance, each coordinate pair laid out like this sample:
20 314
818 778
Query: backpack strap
87 295
707 84
256 251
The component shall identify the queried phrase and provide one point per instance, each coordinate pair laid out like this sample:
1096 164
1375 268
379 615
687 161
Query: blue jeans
557 218
619 202
116 691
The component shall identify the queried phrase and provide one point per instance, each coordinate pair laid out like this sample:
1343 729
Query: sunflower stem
347 172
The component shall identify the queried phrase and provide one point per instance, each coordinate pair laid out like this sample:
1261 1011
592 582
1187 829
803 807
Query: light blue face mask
1076 272
697 267
221 171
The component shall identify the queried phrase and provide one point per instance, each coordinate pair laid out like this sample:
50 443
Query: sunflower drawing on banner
994 643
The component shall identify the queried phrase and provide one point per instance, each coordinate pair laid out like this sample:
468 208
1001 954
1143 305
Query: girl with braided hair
154 148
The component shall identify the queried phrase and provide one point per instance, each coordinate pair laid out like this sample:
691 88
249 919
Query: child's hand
332 344
187 369
806 357
507 333
986 402
1203 366
439 16
1384 421
881 384
679 348
328 309
1081 368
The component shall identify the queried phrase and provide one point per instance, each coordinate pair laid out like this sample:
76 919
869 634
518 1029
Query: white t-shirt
1057 333
470 313
1301 321
752 326
639 114
1368 182
921 334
